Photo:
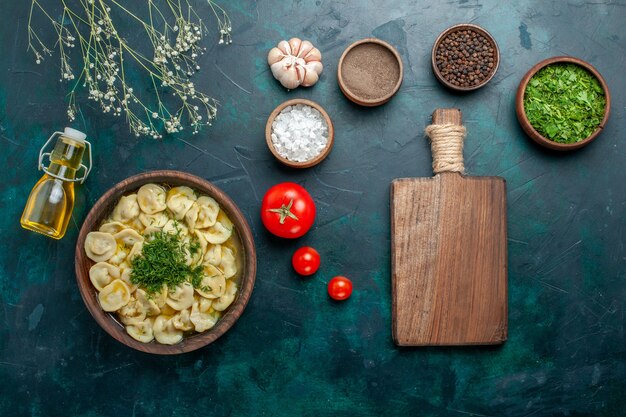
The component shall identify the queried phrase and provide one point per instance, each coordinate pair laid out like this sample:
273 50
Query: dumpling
135 251
182 322
228 263
227 298
114 296
142 332
213 255
192 256
102 273
203 303
180 297
153 220
166 310
134 312
128 237
152 309
126 210
165 332
126 278
119 256
150 230
203 316
213 283
217 234
223 218
160 297
176 228
191 216
100 246
203 213
112 227
202 241
151 198
137 225
180 200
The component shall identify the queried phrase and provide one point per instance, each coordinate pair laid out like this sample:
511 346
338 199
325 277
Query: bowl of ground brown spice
465 57
370 72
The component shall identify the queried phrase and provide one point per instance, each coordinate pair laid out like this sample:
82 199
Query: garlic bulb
295 63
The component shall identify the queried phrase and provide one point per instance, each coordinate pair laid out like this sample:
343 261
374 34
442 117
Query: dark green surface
294 352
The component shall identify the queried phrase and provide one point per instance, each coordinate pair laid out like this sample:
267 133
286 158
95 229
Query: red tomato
288 210
306 261
340 288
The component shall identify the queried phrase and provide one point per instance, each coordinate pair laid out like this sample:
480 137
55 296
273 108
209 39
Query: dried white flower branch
174 34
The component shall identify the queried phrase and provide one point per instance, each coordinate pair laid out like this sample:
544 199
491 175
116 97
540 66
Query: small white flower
155 115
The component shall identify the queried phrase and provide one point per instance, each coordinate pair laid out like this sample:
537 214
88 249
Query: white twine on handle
446 144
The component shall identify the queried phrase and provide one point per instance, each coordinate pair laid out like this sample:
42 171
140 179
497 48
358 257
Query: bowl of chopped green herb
165 262
563 103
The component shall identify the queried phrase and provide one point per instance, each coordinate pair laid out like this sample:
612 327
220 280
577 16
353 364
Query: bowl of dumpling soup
165 262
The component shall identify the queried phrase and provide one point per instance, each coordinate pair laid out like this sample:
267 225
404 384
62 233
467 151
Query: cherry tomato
288 210
340 288
306 261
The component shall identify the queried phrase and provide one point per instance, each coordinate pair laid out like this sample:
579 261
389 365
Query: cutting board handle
446 134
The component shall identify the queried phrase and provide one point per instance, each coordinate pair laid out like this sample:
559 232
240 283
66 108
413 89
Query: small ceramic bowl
530 130
103 208
305 164
456 28
343 76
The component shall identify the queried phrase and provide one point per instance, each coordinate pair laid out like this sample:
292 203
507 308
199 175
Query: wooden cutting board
449 256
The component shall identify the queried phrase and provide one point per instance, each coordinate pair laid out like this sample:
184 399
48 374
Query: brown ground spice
370 71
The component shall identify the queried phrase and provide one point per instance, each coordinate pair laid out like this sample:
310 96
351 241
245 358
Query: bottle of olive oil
51 201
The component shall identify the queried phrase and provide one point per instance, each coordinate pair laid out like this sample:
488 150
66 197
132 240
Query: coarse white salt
299 133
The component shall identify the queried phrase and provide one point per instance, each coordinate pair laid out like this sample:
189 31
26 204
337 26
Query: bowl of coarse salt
299 133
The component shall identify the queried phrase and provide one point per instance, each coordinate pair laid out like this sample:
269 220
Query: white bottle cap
74 134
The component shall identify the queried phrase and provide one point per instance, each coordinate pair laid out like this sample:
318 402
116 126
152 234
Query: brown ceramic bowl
530 130
456 28
344 81
105 205
305 164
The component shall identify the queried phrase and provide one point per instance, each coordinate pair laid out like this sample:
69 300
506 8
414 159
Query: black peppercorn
465 58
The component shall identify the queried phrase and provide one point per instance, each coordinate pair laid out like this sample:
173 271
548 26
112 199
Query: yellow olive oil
51 201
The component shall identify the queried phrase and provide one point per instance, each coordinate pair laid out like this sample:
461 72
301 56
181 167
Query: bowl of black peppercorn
465 57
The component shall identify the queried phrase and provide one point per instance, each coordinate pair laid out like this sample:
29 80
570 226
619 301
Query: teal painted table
293 352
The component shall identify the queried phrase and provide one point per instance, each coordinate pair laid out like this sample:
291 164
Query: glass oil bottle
51 201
